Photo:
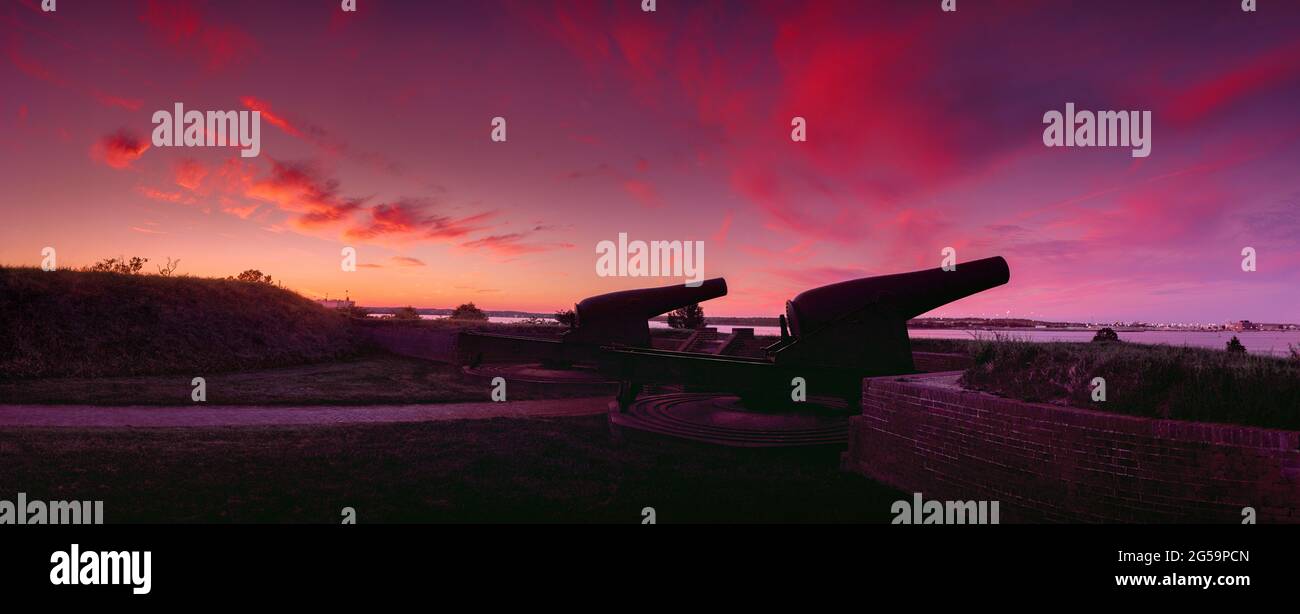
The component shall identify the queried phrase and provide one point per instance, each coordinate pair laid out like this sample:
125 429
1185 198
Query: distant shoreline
991 324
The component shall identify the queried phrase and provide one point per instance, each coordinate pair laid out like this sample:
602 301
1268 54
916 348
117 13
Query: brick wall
1047 463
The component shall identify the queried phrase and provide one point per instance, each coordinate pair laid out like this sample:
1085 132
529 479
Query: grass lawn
1160 381
498 470
373 378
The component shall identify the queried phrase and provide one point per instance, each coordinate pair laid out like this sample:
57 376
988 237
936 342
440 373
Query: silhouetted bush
252 275
118 265
468 312
567 317
1105 335
406 313
690 317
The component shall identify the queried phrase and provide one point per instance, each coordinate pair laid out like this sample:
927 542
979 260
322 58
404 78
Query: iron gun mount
837 335
614 320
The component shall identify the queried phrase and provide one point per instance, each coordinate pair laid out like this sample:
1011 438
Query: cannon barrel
840 333
902 296
621 317
646 303
617 318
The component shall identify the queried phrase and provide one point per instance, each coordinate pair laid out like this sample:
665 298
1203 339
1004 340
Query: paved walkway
200 414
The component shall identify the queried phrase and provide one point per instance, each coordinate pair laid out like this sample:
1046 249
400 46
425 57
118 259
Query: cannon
613 320
837 335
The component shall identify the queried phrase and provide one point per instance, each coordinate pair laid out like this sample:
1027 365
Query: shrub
566 317
1105 335
468 311
167 271
252 275
690 317
406 313
118 265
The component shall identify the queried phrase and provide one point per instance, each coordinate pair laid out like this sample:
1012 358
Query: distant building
335 304
1241 325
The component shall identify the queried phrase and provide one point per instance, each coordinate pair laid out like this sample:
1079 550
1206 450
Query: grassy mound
70 323
1157 381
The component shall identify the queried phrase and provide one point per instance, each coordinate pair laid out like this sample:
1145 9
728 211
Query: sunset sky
924 131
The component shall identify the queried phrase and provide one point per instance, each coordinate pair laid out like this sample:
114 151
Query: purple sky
924 131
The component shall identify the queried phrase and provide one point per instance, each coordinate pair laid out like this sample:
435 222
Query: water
1257 342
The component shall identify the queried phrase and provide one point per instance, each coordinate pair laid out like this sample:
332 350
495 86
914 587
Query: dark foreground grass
499 470
1159 381
373 378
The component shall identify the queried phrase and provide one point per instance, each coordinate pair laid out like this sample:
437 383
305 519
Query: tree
166 271
118 265
406 313
254 276
1235 346
690 317
1105 334
468 312
566 317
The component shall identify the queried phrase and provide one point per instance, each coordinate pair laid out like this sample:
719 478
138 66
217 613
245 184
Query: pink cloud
270 116
513 244
119 150
189 174
644 193
414 220
182 26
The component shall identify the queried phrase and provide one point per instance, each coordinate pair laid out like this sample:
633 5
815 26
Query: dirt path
231 415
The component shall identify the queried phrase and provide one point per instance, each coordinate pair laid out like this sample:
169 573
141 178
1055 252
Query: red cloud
300 189
1255 74
171 197
35 69
319 137
271 117
118 150
183 27
190 174
409 219
513 244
